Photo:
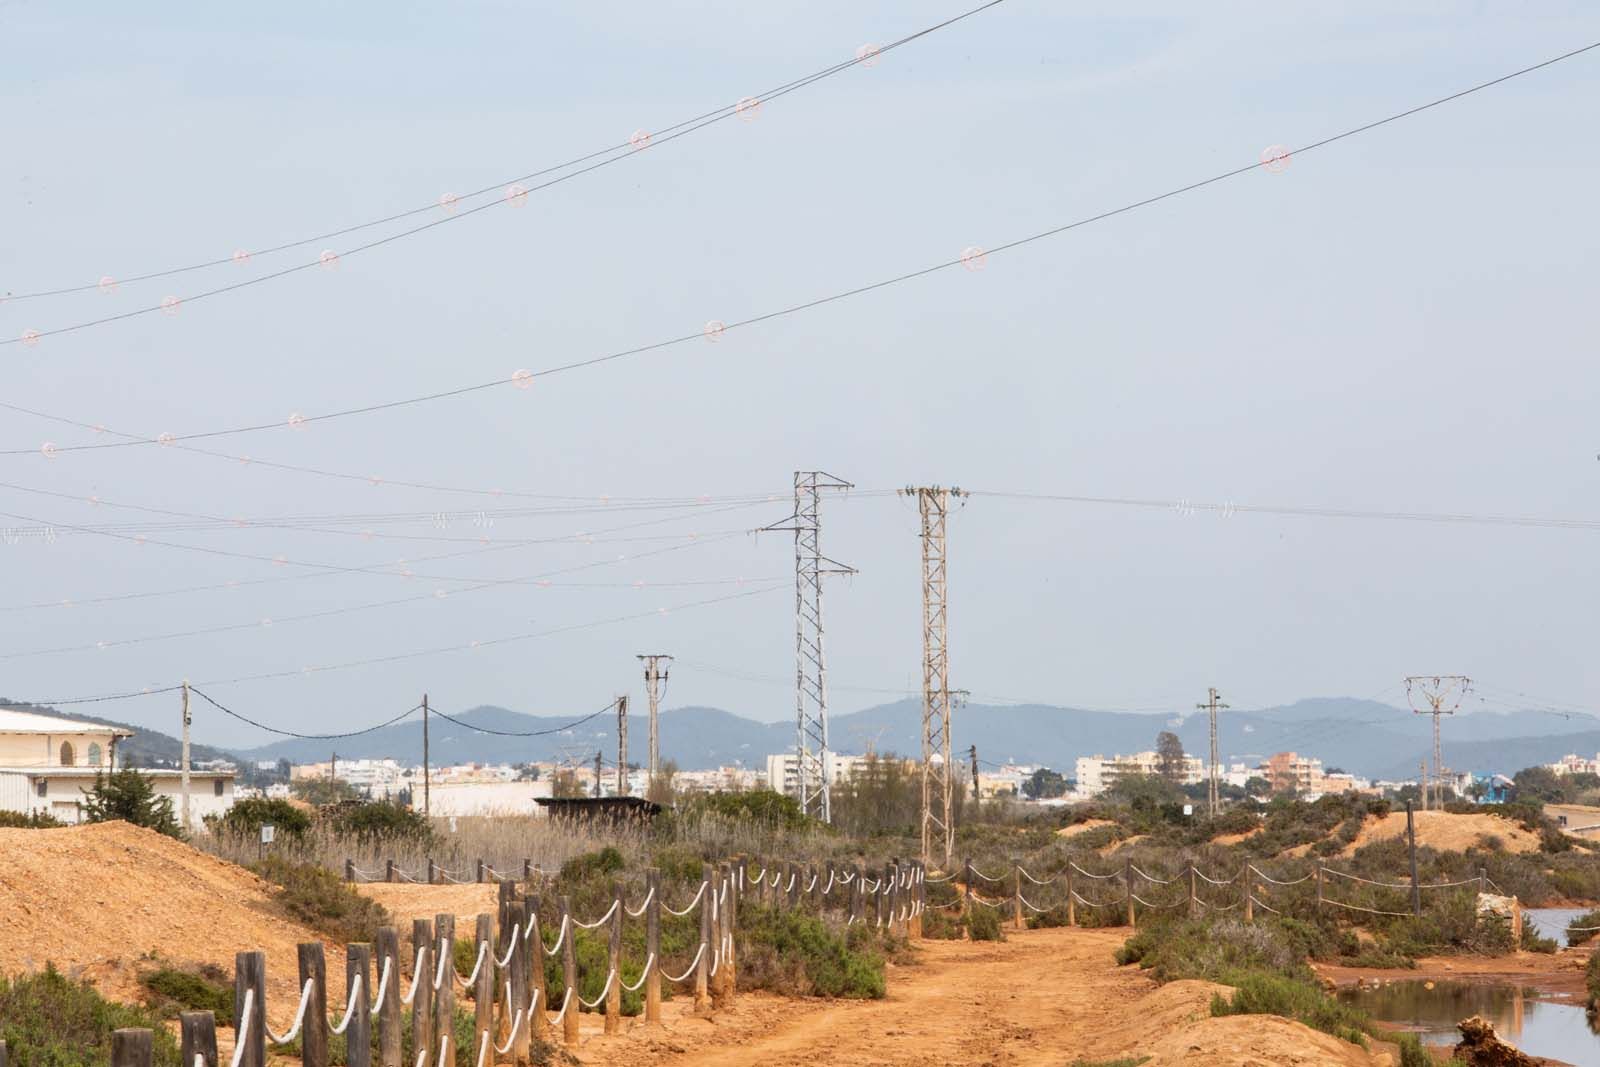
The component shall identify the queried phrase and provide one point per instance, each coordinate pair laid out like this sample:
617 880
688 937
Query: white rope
827 888
648 897
566 1002
1202 875
1036 881
1091 874
1150 877
299 1017
383 986
985 877
649 962
483 1048
416 974
1027 904
511 948
1352 907
1269 907
987 904
701 951
935 878
849 876
1097 904
759 878
562 936
443 1040
349 1007
790 887
1264 876
1369 881
611 976
516 1021
692 904
1146 903
242 1039
815 878
470 980
445 957
777 877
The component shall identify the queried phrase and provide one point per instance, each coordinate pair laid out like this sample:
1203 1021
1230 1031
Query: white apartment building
783 769
1096 774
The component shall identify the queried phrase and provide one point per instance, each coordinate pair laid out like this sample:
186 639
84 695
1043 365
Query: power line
303 737
529 733
524 378
514 193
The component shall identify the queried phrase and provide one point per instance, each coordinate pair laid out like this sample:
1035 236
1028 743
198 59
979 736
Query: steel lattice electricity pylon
933 502
812 787
1436 691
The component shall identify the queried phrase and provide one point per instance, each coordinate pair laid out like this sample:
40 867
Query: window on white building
94 754
67 755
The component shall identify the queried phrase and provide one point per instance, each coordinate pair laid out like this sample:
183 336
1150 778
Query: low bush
801 954
170 990
49 1020
1261 993
1591 980
1584 927
322 900
29 820
1534 941
1217 951
1412 1053
246 818
983 924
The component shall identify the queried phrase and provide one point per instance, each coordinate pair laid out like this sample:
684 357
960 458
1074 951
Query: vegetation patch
801 954
30 820
1262 993
321 900
983 924
49 1020
206 987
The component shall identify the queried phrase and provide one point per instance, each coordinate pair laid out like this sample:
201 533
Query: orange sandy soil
98 901
407 902
1558 973
1445 831
1082 827
1043 998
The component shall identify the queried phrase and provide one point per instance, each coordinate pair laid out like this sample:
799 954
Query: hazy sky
1402 321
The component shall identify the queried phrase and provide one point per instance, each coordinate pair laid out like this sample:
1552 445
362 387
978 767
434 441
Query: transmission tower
655 678
1436 692
937 774
812 788
1211 705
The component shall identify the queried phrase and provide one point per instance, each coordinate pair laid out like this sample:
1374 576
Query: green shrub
1412 1054
170 990
1217 950
131 797
246 818
1533 941
592 864
983 924
761 807
1591 980
31 820
801 954
1577 933
1261 993
382 822
322 900
48 1020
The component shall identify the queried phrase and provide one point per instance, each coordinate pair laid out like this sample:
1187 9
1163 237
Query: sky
1399 322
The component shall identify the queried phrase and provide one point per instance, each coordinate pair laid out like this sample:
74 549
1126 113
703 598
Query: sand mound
97 900
1234 839
1443 830
1083 827
406 902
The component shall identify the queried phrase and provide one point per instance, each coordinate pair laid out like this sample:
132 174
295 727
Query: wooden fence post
815 874
702 971
349 870
444 998
1194 895
1072 900
519 976
858 894
198 1037
569 972
483 988
250 977
533 954
1319 889
427 967
652 946
796 883
432 872
390 872
1249 894
314 969
1127 881
358 991
482 872
527 870
614 962
966 875
132 1048
390 1038
731 912
1016 902
922 897
5 1060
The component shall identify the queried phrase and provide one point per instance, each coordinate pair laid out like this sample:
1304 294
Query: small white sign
266 834
1188 809
452 824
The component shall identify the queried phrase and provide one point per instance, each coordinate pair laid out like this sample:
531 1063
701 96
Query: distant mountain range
1364 737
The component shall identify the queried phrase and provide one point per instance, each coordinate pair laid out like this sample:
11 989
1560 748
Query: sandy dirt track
1041 999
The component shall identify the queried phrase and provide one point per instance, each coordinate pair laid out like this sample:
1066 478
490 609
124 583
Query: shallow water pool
1540 1027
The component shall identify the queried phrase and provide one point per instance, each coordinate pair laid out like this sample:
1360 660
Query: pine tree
131 797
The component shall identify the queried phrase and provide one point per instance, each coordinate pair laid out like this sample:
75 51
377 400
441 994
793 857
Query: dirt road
1041 999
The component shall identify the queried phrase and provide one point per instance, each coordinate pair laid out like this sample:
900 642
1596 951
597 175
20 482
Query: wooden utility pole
1411 840
1211 705
654 679
427 776
188 824
972 751
597 758
622 746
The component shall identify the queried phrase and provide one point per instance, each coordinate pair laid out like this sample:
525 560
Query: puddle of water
1558 1029
1553 922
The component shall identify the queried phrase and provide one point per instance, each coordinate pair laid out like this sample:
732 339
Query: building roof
27 722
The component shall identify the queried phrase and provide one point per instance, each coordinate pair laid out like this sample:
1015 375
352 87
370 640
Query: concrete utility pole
655 680
188 825
812 763
933 502
1436 692
622 746
427 776
1211 705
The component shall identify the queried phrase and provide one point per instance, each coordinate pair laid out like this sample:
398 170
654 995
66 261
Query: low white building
48 764
1095 774
483 798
